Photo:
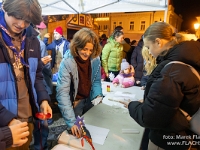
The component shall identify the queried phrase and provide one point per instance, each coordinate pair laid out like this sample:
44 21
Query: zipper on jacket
28 81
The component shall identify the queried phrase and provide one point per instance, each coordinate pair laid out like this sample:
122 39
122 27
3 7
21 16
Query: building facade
135 24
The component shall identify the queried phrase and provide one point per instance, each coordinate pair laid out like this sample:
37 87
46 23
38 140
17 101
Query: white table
107 115
113 89
115 120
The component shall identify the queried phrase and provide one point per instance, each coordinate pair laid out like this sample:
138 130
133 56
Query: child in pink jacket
126 76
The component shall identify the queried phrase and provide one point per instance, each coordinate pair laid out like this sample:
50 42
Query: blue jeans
40 135
78 108
82 106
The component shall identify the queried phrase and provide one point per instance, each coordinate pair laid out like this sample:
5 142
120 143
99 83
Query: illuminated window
105 27
120 24
142 27
132 25
114 25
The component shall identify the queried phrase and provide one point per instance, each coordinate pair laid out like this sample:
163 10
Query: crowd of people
80 66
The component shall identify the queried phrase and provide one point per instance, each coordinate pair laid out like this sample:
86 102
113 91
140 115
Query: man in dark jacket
21 82
137 62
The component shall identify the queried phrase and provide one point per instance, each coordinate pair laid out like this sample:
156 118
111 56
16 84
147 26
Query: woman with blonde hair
150 61
79 77
169 88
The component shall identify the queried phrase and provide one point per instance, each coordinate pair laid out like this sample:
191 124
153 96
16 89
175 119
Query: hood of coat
187 52
140 43
30 31
68 54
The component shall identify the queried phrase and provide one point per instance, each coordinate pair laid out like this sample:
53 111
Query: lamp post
196 27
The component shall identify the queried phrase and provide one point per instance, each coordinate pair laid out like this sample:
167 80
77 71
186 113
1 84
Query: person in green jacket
112 54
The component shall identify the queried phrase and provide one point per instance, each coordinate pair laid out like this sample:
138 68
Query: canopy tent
58 7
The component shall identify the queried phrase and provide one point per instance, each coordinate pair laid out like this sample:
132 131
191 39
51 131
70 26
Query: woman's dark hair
128 41
133 42
28 10
103 36
118 28
116 34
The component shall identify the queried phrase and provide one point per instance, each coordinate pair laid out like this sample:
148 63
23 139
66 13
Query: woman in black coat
169 88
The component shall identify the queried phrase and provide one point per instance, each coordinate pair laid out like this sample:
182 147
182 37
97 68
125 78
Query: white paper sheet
125 94
98 134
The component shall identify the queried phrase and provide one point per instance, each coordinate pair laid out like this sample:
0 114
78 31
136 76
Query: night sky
189 9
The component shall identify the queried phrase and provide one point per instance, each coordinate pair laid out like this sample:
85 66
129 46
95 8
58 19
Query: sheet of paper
124 94
98 134
119 98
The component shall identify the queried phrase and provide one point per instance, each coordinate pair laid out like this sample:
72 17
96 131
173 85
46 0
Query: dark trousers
82 106
40 134
145 140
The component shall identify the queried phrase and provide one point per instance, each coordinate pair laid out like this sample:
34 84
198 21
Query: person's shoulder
96 60
31 33
66 41
41 42
176 71
68 55
108 45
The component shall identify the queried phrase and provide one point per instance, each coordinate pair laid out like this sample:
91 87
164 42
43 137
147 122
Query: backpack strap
188 117
192 68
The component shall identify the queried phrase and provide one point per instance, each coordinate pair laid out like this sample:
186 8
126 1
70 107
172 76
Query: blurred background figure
129 53
58 47
103 40
46 59
103 74
137 62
